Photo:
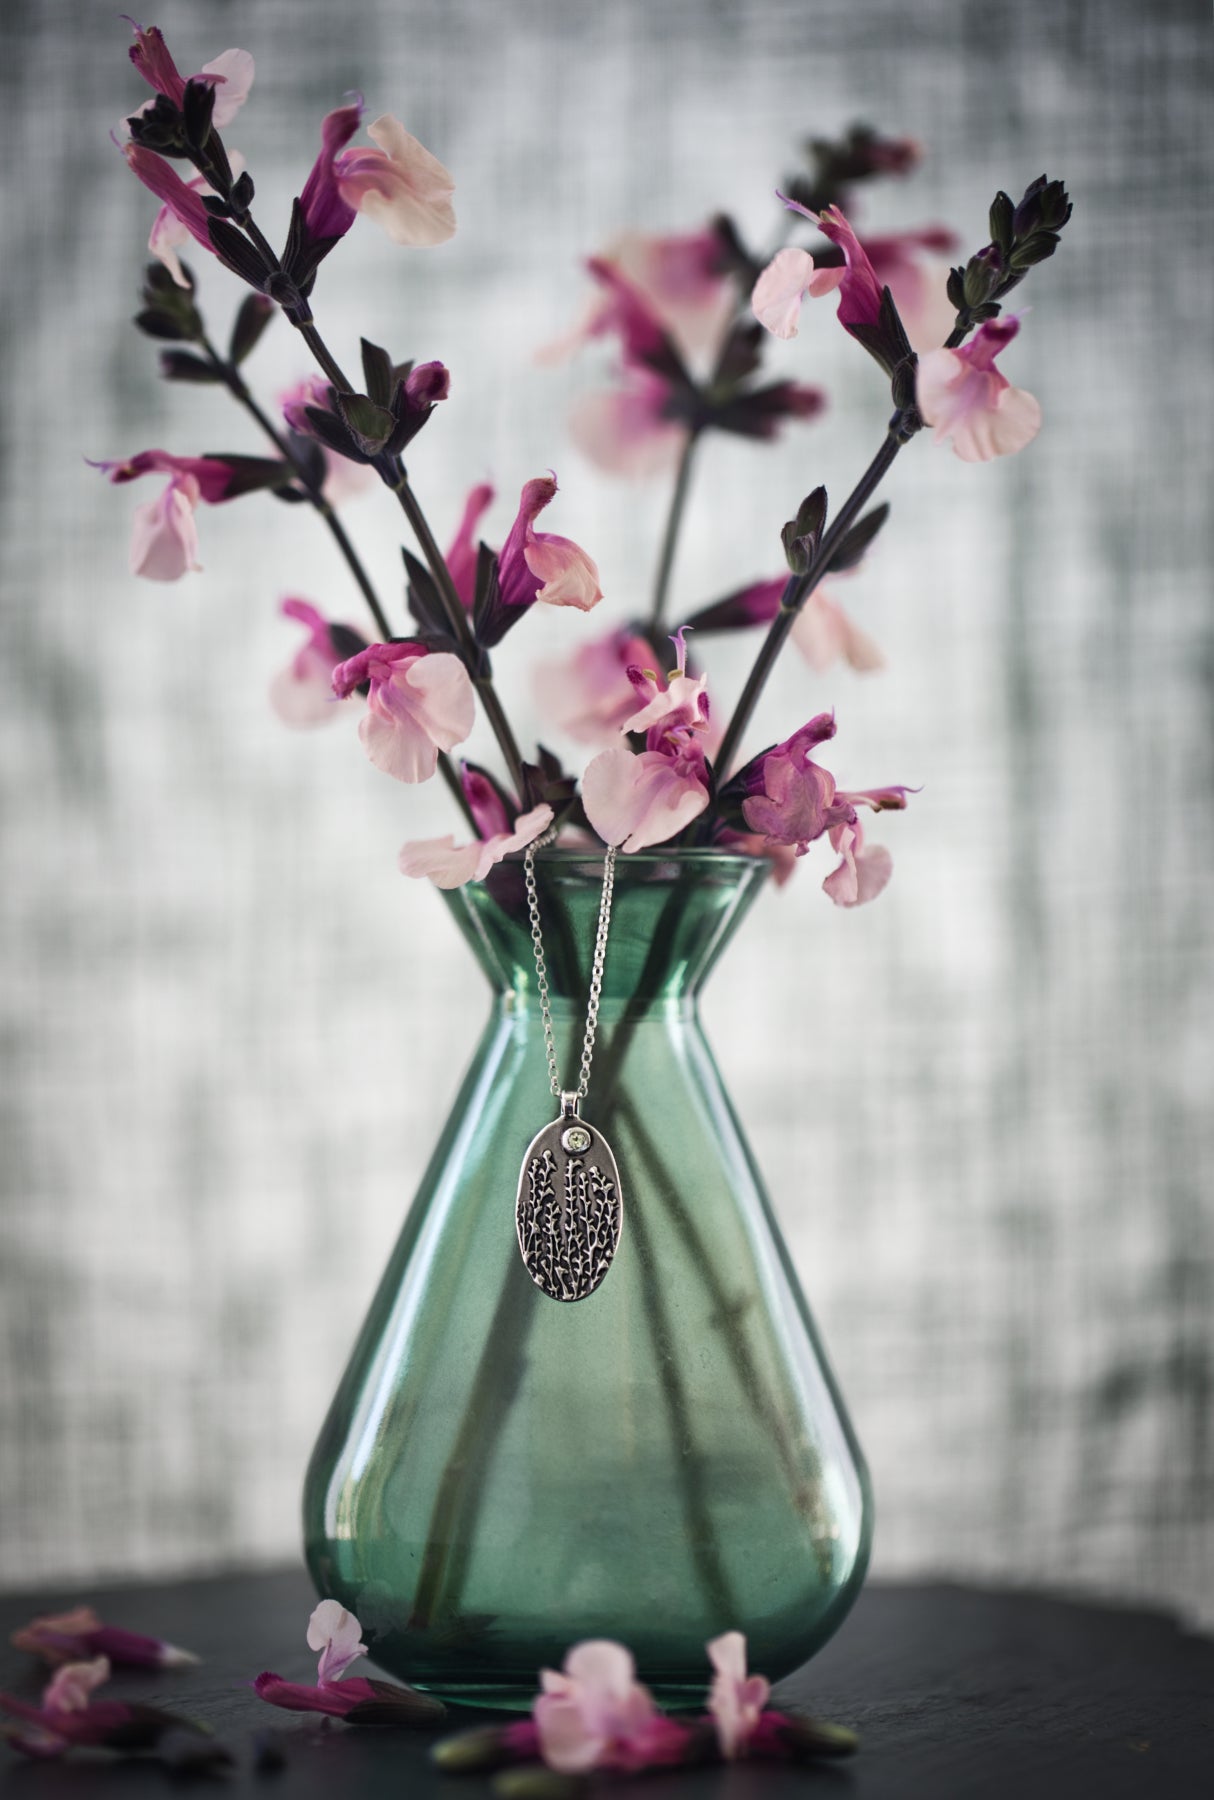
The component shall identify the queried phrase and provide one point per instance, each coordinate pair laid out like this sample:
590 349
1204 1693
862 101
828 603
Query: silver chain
596 969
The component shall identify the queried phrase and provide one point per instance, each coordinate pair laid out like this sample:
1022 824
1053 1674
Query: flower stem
236 386
674 520
458 619
797 590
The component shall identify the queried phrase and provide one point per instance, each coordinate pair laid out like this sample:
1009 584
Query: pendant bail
569 1102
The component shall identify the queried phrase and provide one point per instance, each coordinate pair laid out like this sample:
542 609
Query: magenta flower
462 556
537 565
910 264
79 1635
69 1718
589 695
862 873
789 278
400 185
230 74
451 865
792 799
337 1635
420 702
183 200
302 693
596 1715
736 1700
962 394
859 290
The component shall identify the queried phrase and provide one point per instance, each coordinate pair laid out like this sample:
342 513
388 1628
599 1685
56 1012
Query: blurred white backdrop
231 1030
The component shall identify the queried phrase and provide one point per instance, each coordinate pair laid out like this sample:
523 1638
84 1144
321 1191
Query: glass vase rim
625 859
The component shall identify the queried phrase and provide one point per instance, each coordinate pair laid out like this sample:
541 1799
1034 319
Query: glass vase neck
672 915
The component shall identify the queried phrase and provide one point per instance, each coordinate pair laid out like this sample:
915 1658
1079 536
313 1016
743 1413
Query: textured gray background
230 1030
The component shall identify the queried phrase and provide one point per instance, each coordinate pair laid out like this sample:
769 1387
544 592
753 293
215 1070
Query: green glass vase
501 1474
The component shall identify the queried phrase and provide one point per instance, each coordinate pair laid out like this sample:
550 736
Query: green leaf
371 425
183 365
377 373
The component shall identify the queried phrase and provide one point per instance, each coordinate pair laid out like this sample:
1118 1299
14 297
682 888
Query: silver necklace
570 1206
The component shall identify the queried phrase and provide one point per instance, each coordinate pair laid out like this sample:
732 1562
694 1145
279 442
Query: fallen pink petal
736 1699
79 1635
595 1715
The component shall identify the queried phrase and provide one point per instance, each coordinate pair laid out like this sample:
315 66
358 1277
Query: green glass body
500 1474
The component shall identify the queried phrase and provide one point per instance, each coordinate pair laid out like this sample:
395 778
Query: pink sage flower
169 234
337 1635
589 695
792 799
635 801
678 700
164 536
68 1717
682 279
627 430
420 702
962 394
462 555
399 185
736 1699
452 865
537 565
343 478
181 199
79 1635
596 1715
912 265
230 74
789 278
302 693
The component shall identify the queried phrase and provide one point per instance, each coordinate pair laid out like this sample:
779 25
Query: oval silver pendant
569 1208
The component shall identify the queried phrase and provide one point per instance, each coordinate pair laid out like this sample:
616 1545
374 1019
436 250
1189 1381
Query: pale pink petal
736 1699
69 1688
823 633
568 1743
337 1634
974 405
402 187
569 576
426 705
862 873
605 1668
235 69
301 695
345 480
621 432
783 285
444 862
588 694
443 698
681 277
164 535
683 701
168 236
636 801
451 865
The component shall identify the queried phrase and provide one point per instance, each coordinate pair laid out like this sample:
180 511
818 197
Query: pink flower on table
302 693
596 1715
68 1717
451 865
862 872
538 565
337 1635
79 1636
462 556
420 702
589 695
962 394
399 184
736 1700
789 278
230 74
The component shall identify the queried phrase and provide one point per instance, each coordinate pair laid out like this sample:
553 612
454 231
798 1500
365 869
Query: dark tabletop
954 1692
